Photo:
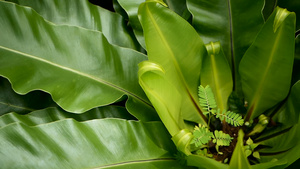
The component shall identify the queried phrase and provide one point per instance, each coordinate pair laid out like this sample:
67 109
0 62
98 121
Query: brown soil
226 150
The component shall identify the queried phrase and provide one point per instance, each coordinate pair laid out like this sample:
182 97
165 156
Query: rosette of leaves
83 87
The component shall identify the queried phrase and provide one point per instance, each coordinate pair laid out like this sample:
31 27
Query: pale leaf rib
85 75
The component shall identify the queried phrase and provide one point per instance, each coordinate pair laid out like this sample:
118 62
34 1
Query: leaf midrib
175 62
257 96
77 72
16 106
136 162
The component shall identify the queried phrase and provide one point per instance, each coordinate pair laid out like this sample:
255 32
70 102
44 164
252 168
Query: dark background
107 4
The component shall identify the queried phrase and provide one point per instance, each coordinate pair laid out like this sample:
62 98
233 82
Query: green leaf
206 99
13 102
283 143
105 143
204 162
238 158
266 68
54 114
230 117
201 135
179 6
288 115
83 14
131 7
165 98
217 74
291 5
234 23
221 139
80 72
178 52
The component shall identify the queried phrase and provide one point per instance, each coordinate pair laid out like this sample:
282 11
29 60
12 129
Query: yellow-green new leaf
173 43
239 159
217 74
266 67
163 95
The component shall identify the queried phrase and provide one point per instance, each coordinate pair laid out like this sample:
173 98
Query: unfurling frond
201 135
221 139
230 117
206 99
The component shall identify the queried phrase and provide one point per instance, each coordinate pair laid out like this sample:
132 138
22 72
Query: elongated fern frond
221 139
230 117
206 99
201 135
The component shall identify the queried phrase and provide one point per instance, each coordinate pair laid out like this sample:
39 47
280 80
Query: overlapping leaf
86 15
239 159
105 143
12 102
78 67
178 52
234 23
163 95
217 74
266 68
55 114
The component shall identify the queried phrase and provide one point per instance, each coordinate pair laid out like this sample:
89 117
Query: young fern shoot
202 135
230 117
206 99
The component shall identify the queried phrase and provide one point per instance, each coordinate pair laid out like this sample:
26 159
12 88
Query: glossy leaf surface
217 74
54 114
266 68
204 162
234 23
105 143
131 7
13 102
178 52
78 67
83 14
284 117
165 98
239 158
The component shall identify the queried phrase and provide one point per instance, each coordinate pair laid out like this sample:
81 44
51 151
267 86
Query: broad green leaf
165 98
239 159
266 68
288 116
204 162
217 74
86 15
284 145
78 67
178 52
289 155
54 114
274 164
13 102
234 23
131 8
105 143
285 117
